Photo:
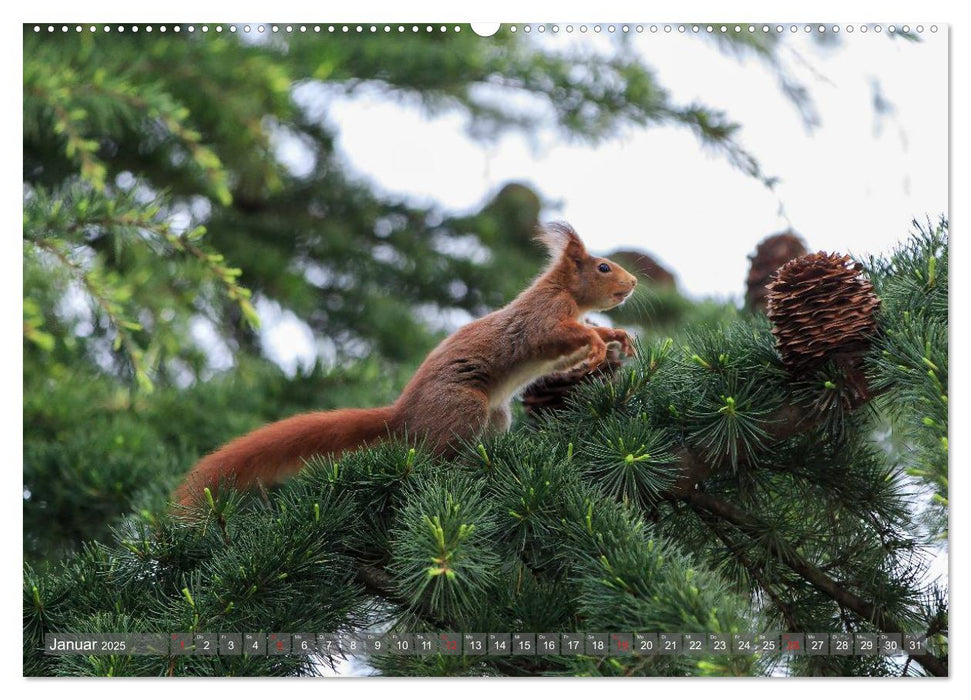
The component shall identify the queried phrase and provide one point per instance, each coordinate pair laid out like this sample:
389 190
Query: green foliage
911 357
630 461
237 568
441 550
94 452
679 496
159 139
570 524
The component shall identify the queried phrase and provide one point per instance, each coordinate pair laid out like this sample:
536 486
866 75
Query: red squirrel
463 388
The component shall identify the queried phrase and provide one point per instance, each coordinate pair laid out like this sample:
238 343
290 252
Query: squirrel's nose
633 281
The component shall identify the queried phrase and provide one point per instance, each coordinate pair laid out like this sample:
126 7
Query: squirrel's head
596 283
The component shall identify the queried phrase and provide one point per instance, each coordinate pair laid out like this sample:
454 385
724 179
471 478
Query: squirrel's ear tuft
560 239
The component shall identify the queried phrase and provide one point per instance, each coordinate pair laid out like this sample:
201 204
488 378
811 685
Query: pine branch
750 525
785 422
750 566
378 582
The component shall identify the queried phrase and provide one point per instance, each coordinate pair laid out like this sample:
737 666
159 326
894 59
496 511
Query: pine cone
822 308
771 254
549 393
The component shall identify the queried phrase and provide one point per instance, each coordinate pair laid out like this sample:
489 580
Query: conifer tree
159 218
711 485
728 479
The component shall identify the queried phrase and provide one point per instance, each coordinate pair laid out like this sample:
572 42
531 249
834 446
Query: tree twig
751 567
751 526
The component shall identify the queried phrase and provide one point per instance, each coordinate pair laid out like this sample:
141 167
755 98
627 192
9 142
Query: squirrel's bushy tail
277 450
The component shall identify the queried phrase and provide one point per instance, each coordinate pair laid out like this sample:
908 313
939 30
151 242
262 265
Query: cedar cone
645 267
549 393
822 308
771 254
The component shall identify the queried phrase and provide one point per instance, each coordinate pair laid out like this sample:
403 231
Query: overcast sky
853 183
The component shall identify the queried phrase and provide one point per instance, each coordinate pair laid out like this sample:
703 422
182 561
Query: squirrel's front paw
626 345
596 356
619 336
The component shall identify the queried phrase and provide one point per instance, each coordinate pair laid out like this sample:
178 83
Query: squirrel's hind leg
461 415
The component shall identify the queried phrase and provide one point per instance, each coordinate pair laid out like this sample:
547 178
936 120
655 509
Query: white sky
852 184
843 187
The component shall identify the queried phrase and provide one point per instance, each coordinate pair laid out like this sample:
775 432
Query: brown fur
463 388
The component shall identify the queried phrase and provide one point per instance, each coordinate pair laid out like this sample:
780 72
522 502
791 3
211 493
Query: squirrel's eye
603 267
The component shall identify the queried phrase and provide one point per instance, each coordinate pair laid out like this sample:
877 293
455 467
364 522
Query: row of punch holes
527 28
